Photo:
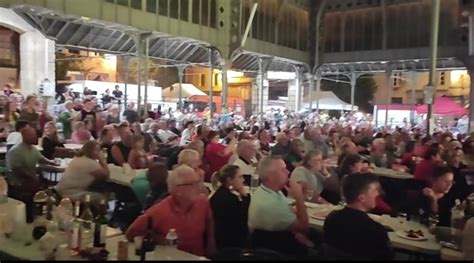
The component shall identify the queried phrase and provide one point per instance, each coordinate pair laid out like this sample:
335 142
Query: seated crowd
325 164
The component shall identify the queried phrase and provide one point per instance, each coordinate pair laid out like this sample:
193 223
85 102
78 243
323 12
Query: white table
389 173
428 247
160 253
33 251
118 175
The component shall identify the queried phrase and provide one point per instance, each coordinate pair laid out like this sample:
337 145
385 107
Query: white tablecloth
428 247
118 175
33 251
161 252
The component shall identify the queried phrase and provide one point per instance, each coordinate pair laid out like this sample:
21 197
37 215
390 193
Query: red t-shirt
424 170
215 160
190 227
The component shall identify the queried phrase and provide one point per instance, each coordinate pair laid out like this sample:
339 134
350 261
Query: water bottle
457 219
60 131
172 238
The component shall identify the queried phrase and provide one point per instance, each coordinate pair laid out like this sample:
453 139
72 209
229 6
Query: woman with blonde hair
137 158
192 159
86 169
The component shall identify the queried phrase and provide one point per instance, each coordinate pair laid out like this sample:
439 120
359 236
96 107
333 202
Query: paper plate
404 234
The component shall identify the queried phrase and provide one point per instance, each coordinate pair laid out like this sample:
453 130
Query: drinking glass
137 241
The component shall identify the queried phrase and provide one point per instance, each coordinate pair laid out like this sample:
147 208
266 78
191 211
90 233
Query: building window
174 8
196 5
184 10
397 100
151 6
216 79
136 4
203 80
122 2
213 14
397 80
163 7
205 12
442 78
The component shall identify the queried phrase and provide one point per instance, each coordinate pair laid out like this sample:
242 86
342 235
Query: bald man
22 160
185 210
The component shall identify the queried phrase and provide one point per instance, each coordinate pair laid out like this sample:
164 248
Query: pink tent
443 106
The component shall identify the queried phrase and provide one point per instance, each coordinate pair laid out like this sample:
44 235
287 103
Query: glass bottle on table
172 238
75 235
87 224
148 243
100 223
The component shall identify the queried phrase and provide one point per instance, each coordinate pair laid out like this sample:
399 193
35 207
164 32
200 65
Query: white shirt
185 137
77 177
14 138
246 168
164 135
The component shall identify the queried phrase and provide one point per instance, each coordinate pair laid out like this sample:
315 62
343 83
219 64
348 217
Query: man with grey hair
246 161
185 210
269 211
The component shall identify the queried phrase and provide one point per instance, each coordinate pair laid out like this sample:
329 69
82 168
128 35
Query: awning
71 31
328 101
189 90
443 106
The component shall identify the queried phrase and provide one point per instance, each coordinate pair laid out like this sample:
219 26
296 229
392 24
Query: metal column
388 75
433 59
145 100
180 69
310 77
262 68
225 88
211 86
413 94
353 81
298 88
126 60
140 48
318 77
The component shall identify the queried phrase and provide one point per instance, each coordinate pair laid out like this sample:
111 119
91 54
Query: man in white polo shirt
269 210
246 160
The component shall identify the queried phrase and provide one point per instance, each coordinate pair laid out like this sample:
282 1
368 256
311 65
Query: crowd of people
312 158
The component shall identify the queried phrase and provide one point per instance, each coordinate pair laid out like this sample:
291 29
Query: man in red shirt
185 210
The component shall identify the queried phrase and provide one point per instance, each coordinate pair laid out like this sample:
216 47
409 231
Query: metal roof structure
377 66
244 60
71 31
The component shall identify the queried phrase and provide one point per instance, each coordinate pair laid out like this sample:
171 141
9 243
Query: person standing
66 118
89 117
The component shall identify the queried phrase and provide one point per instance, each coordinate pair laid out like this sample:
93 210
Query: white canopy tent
189 90
328 101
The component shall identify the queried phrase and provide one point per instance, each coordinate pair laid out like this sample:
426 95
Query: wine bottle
100 223
148 244
75 243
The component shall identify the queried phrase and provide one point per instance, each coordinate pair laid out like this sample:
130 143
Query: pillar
470 71
211 82
318 78
353 80
260 88
310 77
180 69
388 76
